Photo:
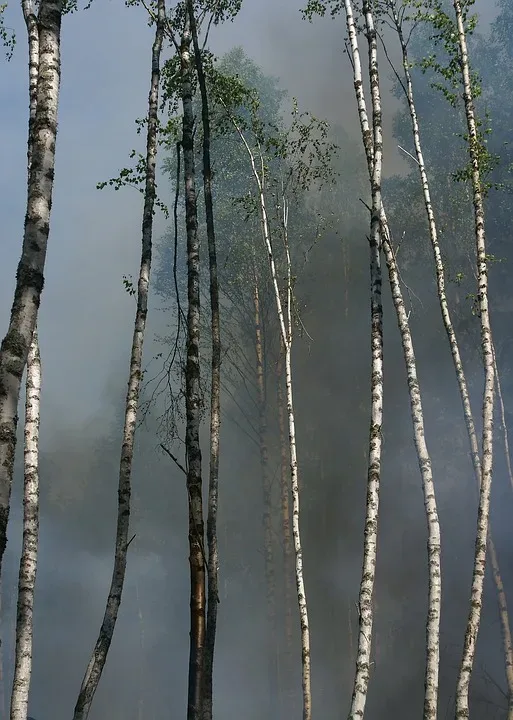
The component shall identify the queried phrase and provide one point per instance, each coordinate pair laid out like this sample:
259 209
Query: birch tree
215 388
434 541
407 87
366 595
99 656
306 172
30 273
28 561
474 146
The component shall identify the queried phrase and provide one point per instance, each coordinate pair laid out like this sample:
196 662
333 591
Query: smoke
85 331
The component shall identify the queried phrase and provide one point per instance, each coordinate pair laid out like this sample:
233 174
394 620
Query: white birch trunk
474 618
285 323
28 561
30 274
458 365
366 595
294 474
99 656
435 590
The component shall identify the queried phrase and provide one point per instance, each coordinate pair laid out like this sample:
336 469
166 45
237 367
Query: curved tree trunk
99 656
30 274
482 533
434 550
456 356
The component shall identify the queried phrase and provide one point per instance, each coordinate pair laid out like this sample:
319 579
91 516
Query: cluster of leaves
7 34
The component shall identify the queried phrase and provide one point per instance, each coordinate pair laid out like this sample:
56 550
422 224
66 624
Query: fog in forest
85 327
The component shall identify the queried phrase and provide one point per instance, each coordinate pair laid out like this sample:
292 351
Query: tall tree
28 561
215 388
99 656
474 147
366 596
30 273
416 407
407 86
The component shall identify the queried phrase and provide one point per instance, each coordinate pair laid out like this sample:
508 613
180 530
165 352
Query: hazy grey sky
86 317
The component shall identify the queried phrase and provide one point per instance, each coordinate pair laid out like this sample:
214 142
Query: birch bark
366 594
288 551
456 356
434 593
285 325
98 659
474 617
28 561
30 273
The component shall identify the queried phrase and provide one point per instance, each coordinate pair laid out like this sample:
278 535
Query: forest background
85 327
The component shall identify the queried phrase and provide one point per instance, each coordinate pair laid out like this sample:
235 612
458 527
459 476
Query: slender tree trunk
455 352
270 580
215 389
28 561
294 473
193 395
435 588
366 596
99 656
474 618
288 550
30 274
285 324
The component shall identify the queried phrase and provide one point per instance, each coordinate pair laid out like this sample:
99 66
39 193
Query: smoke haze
85 329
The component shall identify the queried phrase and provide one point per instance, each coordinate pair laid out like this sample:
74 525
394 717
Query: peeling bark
98 659
30 273
28 561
